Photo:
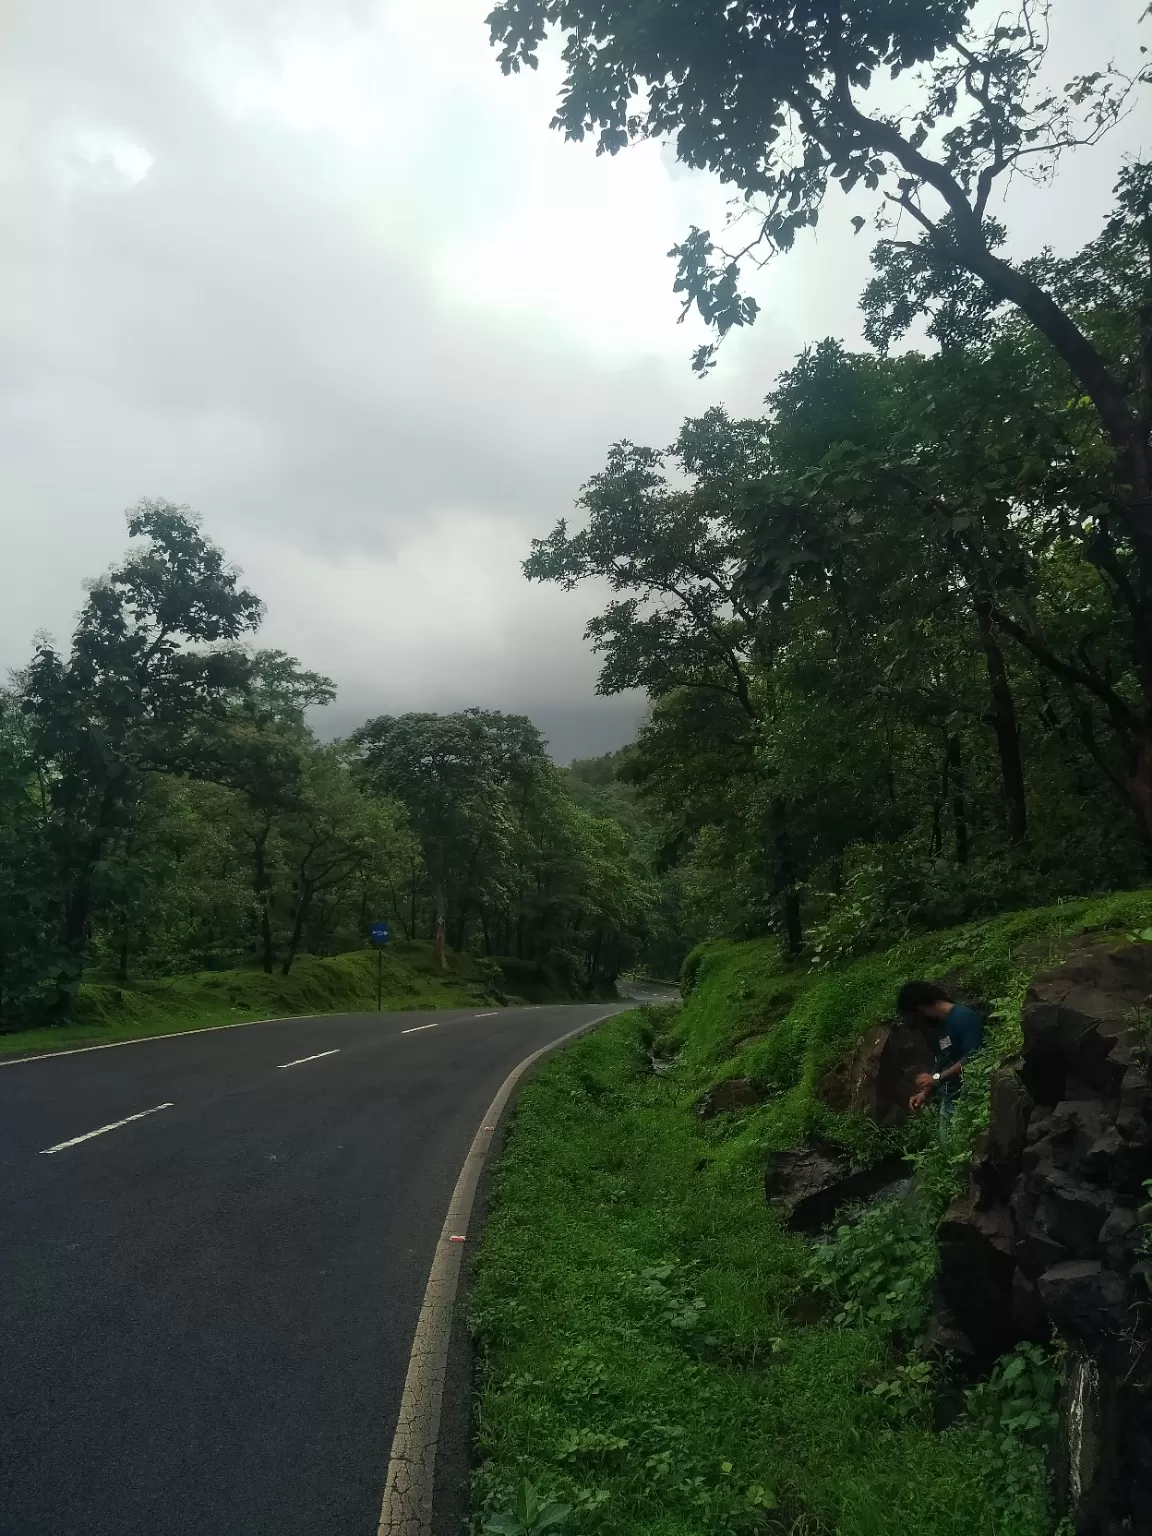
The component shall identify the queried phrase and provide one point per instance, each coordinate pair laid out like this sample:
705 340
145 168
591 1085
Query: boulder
878 1077
1086 1302
977 1269
1078 1034
998 1155
733 1093
813 1184
1071 1214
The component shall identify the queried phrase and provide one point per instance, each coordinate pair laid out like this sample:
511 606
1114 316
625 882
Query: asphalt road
206 1312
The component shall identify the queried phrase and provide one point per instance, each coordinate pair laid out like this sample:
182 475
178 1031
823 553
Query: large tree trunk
298 921
1007 731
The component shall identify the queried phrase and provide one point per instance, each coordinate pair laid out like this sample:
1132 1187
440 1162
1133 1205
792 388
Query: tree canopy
892 632
165 805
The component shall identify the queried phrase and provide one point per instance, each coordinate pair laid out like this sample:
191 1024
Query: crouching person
953 1033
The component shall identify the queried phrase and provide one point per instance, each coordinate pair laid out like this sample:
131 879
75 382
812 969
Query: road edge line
172 1034
406 1508
204 1029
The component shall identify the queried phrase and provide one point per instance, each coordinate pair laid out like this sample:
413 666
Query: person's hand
918 1100
923 1081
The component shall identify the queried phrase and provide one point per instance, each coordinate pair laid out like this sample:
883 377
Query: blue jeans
947 1110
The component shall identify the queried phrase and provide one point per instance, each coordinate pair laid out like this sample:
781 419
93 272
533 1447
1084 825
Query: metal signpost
379 933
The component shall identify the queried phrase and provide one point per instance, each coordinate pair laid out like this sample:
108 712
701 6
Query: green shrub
1014 1414
880 1267
107 1011
690 969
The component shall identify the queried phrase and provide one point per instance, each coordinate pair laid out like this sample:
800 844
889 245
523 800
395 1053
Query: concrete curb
408 1490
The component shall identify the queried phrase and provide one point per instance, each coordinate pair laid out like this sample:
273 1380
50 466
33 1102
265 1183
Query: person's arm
969 1039
928 1082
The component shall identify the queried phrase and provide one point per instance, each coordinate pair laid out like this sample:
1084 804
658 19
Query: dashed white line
491 1015
115 1126
418 1028
300 1060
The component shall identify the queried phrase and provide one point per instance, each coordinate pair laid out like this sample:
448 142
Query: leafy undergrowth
659 1357
107 1012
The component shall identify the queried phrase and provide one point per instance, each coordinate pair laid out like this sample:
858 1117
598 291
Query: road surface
206 1307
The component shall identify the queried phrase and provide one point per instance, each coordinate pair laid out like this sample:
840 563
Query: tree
685 623
774 96
871 500
144 688
335 834
819 604
30 890
266 746
452 773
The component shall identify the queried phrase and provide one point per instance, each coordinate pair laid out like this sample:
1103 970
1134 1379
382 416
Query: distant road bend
213 1250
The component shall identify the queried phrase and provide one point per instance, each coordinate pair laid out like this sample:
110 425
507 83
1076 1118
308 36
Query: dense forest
894 635
166 807
896 632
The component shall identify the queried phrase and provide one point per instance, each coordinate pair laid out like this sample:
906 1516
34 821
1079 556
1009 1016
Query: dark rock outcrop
1049 1234
733 1093
879 1077
812 1185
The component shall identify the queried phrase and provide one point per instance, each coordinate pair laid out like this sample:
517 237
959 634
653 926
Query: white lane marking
300 1060
491 1015
418 1028
175 1034
115 1126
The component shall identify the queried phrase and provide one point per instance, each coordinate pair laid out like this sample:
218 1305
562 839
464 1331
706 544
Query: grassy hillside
106 1012
660 1355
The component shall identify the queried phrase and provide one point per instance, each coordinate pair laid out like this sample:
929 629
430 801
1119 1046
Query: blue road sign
380 934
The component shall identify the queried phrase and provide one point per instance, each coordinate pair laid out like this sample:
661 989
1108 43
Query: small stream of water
1083 1397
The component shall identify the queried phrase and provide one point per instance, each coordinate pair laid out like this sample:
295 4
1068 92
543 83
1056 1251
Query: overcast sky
316 268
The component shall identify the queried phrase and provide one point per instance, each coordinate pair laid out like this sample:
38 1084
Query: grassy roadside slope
346 983
659 1354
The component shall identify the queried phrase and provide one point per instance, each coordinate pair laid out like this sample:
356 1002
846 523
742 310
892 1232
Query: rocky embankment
1051 1237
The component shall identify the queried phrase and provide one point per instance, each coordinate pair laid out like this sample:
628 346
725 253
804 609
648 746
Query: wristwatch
936 1077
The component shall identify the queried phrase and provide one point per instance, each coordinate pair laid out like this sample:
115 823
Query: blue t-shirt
955 1037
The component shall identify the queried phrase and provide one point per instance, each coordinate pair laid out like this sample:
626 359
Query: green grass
638 1308
106 1012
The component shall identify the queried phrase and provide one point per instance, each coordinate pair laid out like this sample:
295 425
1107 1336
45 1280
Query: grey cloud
256 327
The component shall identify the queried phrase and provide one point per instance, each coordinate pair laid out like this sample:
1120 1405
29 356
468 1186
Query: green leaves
880 1268
774 100
1016 1410
146 687
528 1516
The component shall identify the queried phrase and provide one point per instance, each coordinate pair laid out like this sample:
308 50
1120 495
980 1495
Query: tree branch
1123 717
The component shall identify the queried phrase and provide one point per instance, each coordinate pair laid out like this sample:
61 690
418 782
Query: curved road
206 1309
